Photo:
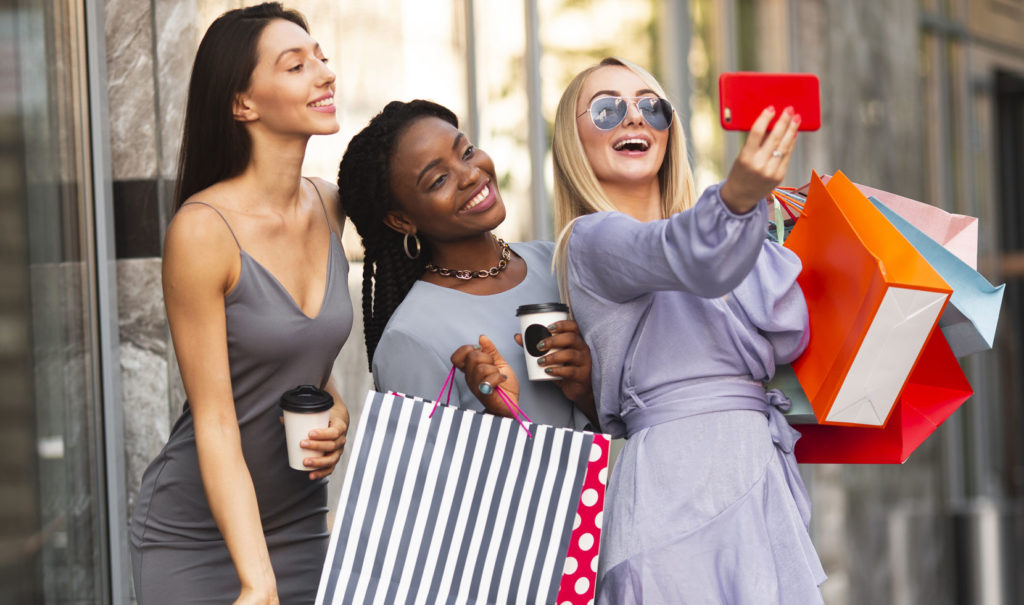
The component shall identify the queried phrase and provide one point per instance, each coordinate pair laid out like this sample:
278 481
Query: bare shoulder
199 243
326 188
199 223
329 192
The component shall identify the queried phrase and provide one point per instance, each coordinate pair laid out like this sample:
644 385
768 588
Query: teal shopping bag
969 320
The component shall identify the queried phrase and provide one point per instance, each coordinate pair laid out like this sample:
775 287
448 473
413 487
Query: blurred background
924 98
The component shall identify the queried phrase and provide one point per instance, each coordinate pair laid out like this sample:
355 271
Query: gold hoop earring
405 244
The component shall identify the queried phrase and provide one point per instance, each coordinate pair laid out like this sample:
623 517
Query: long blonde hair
577 190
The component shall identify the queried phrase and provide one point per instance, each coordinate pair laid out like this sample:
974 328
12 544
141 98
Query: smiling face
291 89
445 187
630 154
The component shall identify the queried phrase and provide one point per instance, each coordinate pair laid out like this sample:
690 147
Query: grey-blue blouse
413 355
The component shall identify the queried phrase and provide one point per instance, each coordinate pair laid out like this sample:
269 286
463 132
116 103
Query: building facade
924 98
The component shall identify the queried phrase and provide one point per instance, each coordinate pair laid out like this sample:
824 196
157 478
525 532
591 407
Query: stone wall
149 49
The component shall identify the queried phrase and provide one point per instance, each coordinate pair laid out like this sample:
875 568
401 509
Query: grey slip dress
178 553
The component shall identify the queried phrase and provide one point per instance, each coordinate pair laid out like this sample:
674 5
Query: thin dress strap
221 217
322 205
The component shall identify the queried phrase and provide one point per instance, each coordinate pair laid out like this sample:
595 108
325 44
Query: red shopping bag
936 388
872 301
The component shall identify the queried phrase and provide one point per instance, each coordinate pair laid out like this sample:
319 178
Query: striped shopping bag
450 505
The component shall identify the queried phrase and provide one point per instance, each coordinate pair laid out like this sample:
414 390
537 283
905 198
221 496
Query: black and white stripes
462 507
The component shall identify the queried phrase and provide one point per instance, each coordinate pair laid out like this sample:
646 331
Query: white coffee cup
305 408
533 323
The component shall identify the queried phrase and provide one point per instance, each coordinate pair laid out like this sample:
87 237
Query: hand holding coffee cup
534 322
306 408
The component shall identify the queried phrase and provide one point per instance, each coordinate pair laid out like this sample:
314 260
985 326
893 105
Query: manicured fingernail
771 109
789 110
542 360
477 347
542 345
549 370
304 444
553 327
796 119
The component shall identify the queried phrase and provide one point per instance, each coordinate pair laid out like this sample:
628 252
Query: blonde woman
686 309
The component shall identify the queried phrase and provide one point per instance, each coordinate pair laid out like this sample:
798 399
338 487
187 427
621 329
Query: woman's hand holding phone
762 162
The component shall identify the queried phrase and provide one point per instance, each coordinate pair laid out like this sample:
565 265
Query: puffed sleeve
706 250
407 365
772 301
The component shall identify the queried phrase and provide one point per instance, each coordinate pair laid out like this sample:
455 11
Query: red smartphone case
743 95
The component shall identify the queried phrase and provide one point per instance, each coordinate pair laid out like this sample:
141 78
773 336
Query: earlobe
399 222
241 110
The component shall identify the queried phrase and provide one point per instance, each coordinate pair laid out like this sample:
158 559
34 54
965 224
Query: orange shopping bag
873 301
935 389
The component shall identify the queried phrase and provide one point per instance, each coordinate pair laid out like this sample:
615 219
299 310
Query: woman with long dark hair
438 286
255 288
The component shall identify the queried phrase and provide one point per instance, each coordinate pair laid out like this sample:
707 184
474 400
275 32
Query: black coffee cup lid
306 399
547 307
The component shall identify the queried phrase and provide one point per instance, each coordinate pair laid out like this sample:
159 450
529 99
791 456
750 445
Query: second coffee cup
305 408
533 322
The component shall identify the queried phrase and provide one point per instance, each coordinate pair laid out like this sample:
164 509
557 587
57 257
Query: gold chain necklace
467 274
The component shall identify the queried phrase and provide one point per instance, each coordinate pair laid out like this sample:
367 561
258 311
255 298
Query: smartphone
743 95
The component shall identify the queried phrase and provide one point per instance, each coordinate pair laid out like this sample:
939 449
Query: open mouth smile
631 144
477 199
323 103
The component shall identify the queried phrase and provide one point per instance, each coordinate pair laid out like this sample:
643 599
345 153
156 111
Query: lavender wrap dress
686 317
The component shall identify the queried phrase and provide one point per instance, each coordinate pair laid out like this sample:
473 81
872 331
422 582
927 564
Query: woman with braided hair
436 281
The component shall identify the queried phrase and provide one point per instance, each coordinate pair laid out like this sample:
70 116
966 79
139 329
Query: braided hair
364 179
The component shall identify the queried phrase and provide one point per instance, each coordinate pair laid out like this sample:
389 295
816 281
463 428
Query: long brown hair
214 146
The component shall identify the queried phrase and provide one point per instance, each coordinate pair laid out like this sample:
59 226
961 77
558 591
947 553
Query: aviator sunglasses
608 112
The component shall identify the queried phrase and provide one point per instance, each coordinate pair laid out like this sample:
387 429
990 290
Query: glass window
53 546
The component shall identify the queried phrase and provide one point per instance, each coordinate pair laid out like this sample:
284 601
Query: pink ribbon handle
449 384
515 409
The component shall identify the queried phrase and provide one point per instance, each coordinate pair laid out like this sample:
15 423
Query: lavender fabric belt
722 396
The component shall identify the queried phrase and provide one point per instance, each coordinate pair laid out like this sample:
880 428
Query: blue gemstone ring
485 388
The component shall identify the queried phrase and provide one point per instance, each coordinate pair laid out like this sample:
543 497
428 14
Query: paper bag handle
790 201
449 384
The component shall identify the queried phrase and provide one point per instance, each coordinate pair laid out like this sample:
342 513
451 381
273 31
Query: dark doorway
1009 136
